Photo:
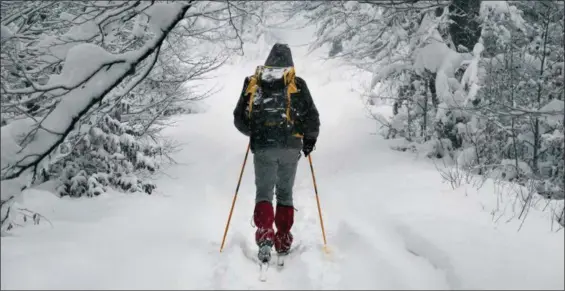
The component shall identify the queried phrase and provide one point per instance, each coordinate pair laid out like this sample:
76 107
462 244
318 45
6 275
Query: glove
308 145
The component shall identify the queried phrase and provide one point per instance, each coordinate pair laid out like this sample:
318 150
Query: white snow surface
390 221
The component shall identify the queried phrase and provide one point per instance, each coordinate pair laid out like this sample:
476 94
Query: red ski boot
263 217
284 219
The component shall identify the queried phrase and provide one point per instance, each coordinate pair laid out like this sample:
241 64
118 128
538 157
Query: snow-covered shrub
510 170
437 148
110 154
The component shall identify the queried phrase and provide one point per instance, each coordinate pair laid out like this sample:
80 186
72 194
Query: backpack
269 108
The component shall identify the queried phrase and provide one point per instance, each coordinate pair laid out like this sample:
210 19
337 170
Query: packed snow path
390 221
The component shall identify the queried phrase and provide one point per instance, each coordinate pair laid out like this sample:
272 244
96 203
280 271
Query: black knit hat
280 56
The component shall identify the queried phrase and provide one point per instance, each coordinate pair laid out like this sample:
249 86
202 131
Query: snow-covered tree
477 82
522 92
87 86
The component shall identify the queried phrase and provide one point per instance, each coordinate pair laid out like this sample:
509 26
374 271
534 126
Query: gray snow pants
275 167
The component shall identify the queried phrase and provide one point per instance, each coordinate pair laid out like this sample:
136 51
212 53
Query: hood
280 56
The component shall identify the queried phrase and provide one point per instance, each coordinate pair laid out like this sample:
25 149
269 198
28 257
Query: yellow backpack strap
289 79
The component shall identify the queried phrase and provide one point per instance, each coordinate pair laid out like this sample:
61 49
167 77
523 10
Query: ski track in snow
390 222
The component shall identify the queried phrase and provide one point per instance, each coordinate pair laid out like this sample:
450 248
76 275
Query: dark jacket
304 111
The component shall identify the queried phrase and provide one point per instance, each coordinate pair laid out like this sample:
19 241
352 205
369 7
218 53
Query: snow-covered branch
87 87
98 77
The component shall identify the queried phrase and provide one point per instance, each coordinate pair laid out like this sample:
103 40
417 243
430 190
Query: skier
275 109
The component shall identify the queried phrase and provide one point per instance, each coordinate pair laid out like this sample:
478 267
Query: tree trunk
425 122
537 137
432 86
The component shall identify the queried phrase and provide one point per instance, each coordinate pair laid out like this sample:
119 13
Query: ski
295 250
280 260
263 267
264 256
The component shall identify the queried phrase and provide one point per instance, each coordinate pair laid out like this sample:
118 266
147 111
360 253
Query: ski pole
318 202
235 197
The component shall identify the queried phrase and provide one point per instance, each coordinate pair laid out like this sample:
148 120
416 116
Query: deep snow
390 221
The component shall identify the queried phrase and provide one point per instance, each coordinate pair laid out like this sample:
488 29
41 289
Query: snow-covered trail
390 221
